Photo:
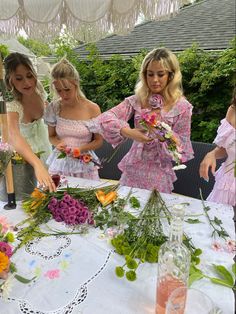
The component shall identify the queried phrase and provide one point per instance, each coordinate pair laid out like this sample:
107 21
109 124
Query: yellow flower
106 199
10 237
37 194
4 262
37 198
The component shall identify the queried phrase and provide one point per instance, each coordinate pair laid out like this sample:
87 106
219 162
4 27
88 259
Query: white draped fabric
87 20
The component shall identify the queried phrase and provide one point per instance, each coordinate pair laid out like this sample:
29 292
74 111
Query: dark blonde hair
11 62
173 91
64 72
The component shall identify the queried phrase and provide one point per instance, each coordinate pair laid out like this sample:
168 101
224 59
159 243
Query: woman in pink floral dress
225 180
67 132
148 164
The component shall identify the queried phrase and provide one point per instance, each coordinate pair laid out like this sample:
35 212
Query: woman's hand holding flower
136 134
61 146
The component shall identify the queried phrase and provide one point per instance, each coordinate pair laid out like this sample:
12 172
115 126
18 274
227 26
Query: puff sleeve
50 114
223 134
180 121
109 123
15 106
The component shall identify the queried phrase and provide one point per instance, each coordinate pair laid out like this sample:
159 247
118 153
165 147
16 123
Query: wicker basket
24 181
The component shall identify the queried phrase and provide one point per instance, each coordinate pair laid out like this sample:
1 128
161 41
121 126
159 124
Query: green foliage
134 202
37 47
106 83
208 79
216 224
63 46
225 277
4 51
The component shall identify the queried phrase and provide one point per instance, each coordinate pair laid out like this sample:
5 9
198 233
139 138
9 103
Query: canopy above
87 20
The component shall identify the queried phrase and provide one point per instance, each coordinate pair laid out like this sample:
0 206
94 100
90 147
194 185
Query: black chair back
189 181
109 169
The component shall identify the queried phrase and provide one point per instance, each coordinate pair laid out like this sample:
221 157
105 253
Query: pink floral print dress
146 165
225 181
74 134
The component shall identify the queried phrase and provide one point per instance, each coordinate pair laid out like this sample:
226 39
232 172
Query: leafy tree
208 80
37 47
4 51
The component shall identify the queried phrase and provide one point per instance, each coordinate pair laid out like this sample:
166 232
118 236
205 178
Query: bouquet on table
8 270
5 156
6 249
163 132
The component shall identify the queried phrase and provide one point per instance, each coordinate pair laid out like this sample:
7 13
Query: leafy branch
225 276
215 223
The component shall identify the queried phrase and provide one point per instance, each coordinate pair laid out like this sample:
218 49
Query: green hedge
208 80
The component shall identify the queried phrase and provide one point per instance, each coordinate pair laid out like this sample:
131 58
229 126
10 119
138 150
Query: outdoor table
76 273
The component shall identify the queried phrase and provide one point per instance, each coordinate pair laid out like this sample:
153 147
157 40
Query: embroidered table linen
76 273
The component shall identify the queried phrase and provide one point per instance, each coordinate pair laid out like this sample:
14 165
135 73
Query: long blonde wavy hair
173 91
64 72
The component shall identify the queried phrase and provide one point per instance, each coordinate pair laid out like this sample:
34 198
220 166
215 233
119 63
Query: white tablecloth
75 274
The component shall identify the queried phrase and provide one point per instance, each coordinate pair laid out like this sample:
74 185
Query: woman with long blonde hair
65 117
148 164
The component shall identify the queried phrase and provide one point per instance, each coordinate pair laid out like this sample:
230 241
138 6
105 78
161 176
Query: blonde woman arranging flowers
27 132
74 144
158 93
225 180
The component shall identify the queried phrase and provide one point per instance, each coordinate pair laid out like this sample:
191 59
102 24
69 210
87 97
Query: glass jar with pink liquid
173 262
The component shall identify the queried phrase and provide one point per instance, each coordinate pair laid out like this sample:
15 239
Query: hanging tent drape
86 20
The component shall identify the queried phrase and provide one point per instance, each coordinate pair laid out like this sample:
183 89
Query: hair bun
64 61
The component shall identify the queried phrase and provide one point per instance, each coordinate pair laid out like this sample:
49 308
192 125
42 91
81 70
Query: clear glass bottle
173 261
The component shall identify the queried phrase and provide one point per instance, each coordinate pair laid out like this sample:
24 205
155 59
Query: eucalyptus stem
214 223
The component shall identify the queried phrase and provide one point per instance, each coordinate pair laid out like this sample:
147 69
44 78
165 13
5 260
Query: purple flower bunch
6 249
70 210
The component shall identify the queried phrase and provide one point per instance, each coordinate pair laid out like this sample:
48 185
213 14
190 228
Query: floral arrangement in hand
163 132
5 156
75 153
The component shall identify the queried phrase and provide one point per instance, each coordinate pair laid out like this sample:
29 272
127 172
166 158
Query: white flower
166 126
179 167
177 155
6 287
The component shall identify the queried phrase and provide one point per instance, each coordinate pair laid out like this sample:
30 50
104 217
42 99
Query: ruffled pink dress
224 190
146 166
74 134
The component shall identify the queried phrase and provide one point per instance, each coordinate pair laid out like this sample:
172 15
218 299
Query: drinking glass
190 301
